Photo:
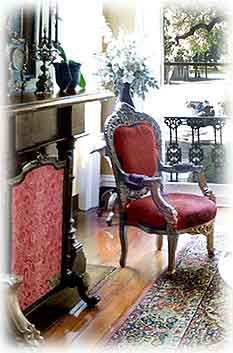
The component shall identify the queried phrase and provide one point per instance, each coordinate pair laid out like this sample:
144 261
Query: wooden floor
123 287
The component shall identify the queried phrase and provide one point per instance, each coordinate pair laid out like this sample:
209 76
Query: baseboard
223 192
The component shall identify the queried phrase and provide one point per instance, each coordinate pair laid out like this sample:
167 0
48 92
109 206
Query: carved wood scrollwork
24 330
206 229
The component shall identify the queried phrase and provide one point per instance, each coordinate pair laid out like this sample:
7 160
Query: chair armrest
169 212
180 168
189 167
139 181
204 187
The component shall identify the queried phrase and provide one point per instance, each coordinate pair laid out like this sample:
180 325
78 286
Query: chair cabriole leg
124 242
172 244
159 241
210 238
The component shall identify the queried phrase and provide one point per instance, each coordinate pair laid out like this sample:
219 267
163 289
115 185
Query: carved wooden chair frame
132 187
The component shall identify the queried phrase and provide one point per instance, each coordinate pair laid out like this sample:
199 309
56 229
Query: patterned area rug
191 309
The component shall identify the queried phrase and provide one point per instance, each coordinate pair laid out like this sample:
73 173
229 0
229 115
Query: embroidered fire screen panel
36 246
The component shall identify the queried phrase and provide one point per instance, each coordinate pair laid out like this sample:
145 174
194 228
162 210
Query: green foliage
179 20
82 81
61 53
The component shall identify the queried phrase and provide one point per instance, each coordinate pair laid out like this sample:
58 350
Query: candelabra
45 52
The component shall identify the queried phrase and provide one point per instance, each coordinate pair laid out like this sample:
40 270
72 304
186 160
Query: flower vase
125 94
67 77
63 76
75 77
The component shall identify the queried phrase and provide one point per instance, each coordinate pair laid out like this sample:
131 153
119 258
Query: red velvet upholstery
136 149
36 246
192 210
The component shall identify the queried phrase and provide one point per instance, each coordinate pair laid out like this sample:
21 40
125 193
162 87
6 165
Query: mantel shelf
32 103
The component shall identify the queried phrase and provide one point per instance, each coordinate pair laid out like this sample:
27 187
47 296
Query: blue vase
62 75
75 77
125 94
67 76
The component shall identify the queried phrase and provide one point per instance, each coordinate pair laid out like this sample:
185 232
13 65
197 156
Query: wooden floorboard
123 287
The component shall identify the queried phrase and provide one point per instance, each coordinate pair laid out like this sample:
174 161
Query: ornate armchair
133 142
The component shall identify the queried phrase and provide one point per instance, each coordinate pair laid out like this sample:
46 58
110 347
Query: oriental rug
193 308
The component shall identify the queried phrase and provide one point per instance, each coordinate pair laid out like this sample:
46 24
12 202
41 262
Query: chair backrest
133 142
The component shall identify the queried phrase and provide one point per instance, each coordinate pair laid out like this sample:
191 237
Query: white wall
80 32
80 35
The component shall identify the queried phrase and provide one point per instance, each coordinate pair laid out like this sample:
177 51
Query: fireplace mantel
35 122
30 102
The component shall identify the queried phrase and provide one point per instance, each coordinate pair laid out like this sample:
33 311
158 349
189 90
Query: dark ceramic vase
125 94
67 76
62 75
75 76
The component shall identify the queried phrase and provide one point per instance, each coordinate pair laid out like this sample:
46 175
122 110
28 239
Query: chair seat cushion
193 210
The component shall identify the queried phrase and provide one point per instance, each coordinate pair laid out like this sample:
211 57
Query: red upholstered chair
134 145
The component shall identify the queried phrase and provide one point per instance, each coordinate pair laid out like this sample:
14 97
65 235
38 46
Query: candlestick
56 24
46 53
50 24
40 24
21 22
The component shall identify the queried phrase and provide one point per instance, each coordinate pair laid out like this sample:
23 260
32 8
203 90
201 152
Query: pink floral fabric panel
37 217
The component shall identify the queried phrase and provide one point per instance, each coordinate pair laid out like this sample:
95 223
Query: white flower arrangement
122 62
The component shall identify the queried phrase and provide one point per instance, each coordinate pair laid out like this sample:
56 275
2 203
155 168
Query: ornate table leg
74 261
173 153
24 330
